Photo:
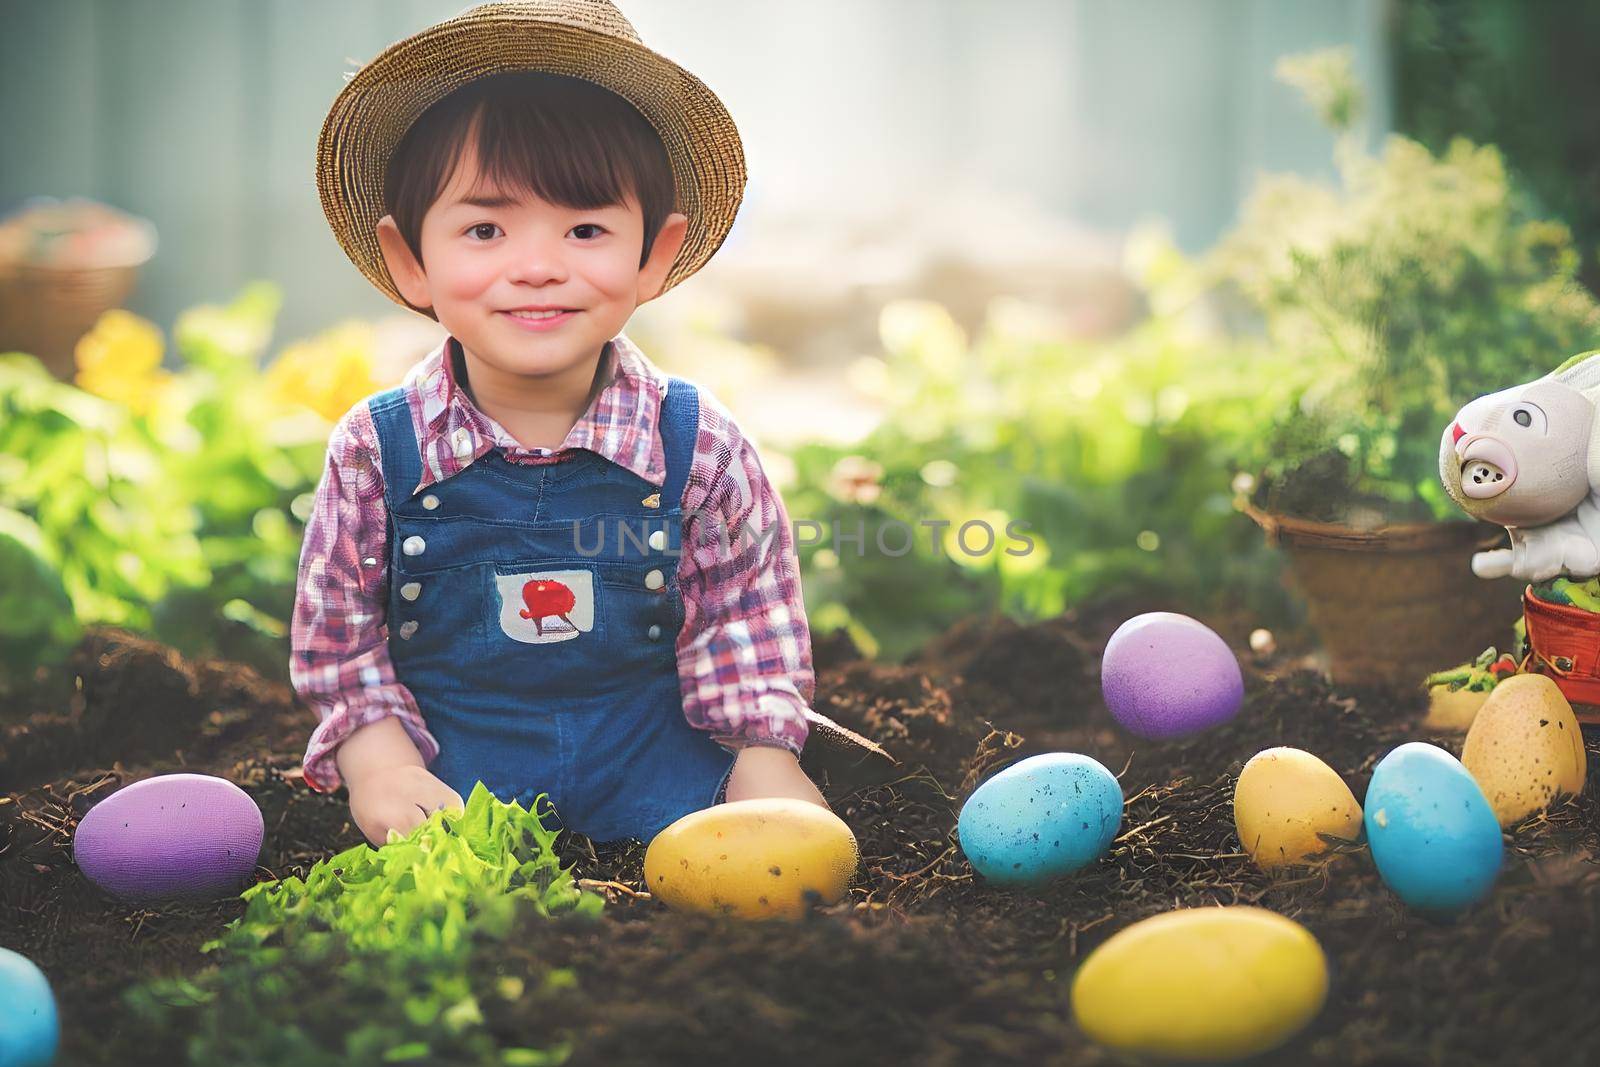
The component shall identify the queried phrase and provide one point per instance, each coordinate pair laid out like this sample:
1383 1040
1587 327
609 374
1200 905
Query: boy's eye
478 231
598 230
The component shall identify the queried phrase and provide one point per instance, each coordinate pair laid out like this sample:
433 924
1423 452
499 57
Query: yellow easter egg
1453 709
1284 798
1525 747
1202 984
753 858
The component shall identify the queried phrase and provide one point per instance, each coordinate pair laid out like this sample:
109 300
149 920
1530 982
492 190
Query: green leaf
37 624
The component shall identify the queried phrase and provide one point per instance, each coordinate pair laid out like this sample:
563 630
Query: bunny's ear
1581 372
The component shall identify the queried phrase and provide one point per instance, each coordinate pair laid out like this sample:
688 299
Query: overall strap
397 444
680 431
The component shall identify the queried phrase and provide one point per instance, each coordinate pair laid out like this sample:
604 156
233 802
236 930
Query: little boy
540 562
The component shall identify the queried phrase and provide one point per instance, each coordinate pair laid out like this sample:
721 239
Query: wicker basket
50 295
1391 605
44 310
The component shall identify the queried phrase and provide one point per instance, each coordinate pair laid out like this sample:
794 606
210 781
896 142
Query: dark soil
924 963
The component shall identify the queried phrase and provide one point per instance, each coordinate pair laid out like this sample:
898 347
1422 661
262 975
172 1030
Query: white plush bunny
1528 458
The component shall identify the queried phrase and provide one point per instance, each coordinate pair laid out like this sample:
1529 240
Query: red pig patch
545 597
546 606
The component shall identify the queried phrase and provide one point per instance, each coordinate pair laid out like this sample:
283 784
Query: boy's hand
397 798
769 771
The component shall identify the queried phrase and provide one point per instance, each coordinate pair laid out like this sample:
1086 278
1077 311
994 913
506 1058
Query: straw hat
587 39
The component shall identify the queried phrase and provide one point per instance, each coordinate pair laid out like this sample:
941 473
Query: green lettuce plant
365 959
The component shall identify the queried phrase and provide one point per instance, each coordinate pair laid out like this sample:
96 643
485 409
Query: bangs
564 140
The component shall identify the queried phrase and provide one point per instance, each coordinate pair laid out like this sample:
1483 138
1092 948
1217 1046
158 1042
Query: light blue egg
1041 818
1433 835
29 1030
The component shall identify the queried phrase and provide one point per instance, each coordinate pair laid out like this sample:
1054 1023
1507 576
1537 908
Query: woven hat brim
384 97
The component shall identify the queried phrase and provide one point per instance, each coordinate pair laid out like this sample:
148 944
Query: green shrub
1419 283
1116 458
169 502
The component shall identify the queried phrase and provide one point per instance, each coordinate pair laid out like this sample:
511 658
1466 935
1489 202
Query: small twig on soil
1137 830
596 883
1078 928
918 872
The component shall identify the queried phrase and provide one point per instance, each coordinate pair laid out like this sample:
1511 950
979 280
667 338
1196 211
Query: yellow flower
120 359
327 373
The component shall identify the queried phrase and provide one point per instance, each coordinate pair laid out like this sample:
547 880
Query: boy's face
490 258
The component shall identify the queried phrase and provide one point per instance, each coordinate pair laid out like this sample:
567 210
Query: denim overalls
540 664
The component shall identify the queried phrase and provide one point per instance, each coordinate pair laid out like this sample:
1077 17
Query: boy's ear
653 275
407 273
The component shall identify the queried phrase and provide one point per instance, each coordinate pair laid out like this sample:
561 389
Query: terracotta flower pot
1392 604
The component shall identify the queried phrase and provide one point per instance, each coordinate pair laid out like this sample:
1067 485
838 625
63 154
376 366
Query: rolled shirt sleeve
339 661
744 651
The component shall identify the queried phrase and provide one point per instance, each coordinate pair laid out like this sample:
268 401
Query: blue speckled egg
1432 833
1041 818
29 1029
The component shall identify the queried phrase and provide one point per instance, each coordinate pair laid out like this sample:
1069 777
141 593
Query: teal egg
1433 835
29 1030
1041 818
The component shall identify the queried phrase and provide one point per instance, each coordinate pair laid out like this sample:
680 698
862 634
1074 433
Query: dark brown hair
562 139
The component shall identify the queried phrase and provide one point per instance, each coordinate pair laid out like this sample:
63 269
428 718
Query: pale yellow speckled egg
1453 710
1525 747
752 858
1284 798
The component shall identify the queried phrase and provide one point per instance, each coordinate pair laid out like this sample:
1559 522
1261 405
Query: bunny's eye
1530 416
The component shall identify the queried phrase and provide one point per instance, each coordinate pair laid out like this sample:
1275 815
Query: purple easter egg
172 836
1165 675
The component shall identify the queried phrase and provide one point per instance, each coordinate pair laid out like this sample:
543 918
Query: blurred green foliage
1114 459
1419 283
1518 76
169 509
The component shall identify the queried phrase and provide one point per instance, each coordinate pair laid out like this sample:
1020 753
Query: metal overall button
411 590
413 545
654 580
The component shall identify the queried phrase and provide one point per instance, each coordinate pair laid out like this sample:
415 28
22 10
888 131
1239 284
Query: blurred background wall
1071 119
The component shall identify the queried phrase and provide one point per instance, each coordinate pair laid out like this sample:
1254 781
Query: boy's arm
340 659
744 652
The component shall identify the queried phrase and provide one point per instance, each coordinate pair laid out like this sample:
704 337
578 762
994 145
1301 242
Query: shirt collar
620 424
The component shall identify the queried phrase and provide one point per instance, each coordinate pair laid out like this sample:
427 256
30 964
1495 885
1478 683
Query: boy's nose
537 264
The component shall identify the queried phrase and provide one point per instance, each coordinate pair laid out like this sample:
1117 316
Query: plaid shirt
744 652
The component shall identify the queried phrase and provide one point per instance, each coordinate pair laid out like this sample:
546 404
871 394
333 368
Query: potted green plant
1417 283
